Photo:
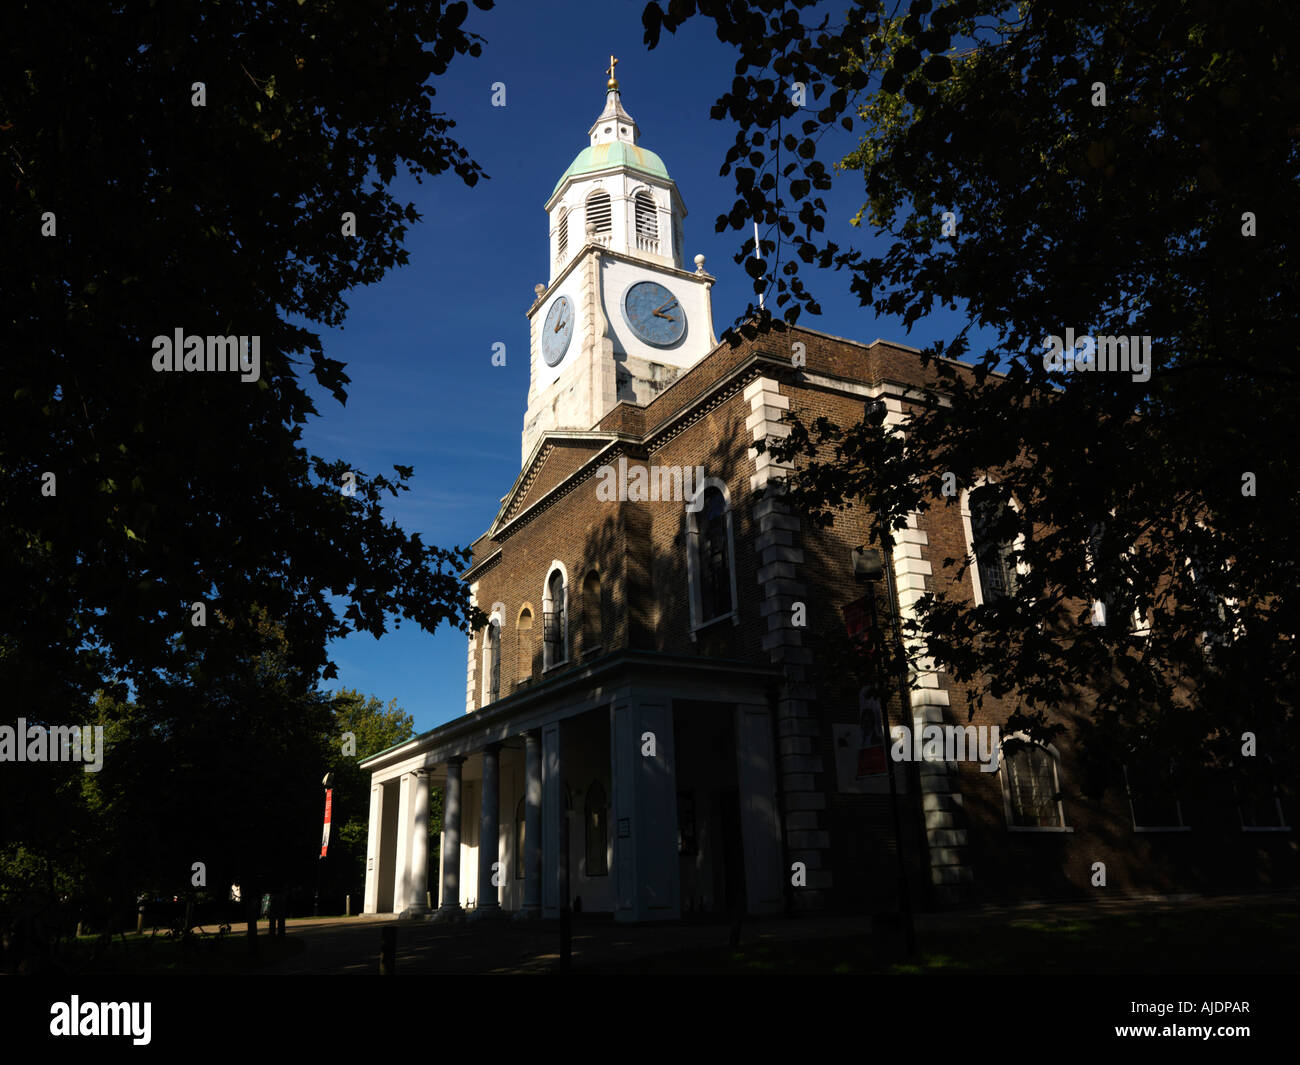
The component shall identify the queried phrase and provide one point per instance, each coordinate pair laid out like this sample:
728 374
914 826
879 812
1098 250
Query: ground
1229 934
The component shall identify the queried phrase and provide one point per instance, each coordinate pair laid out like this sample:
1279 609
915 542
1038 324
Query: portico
569 790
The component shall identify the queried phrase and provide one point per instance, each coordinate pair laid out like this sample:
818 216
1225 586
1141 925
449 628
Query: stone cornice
524 709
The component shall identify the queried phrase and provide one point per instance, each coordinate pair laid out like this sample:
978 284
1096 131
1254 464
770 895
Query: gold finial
613 81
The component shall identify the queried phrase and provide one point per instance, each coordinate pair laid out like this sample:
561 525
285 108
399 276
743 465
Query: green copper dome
618 153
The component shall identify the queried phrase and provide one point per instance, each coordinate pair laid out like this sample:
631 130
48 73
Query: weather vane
613 81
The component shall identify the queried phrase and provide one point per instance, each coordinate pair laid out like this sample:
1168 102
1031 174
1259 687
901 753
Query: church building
650 729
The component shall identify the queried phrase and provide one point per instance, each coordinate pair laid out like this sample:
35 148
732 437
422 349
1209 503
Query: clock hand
668 316
666 306
560 325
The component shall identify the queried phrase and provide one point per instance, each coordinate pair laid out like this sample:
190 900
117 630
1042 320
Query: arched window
597 819
592 617
492 662
1259 799
562 237
646 216
1153 797
555 628
599 213
520 822
714 552
1114 604
524 633
1209 581
1031 786
992 543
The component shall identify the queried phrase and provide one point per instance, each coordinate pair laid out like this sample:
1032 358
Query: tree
198 167
209 777
374 727
1110 169
221 170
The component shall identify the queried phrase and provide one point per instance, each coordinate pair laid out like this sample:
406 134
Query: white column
402 869
555 865
418 891
532 825
451 842
373 844
489 835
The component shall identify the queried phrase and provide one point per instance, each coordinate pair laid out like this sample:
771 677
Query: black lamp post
869 567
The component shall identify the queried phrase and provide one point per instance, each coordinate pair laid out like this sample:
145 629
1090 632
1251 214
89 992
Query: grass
1231 939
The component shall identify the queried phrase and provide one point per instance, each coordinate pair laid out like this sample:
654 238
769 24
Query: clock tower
621 316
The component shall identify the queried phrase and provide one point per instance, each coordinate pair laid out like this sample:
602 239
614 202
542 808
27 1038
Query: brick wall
955 835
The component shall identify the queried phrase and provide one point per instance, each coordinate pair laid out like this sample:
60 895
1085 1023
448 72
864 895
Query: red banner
861 625
856 618
871 755
325 835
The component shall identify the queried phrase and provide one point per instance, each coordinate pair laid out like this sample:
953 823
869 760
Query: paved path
351 945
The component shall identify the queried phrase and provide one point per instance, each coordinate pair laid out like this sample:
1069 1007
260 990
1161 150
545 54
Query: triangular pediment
556 457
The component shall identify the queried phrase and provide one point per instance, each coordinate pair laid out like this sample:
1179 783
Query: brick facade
955 835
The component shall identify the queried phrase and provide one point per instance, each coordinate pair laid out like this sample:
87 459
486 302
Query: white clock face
557 331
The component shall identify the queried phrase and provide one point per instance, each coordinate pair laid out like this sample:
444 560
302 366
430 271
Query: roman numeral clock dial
654 314
557 330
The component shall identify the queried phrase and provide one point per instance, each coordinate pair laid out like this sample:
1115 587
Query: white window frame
645 193
586 211
1229 605
1139 625
1022 570
694 565
547 664
1005 778
1182 826
1281 825
496 620
562 238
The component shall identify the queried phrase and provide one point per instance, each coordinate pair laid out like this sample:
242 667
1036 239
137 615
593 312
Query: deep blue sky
418 345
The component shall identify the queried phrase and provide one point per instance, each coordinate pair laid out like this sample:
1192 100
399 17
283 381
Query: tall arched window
646 216
592 617
492 661
1114 605
524 639
599 212
562 237
715 556
597 821
992 544
555 621
1207 598
1031 787
520 822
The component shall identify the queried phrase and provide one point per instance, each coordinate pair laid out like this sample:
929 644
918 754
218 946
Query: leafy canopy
1163 212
